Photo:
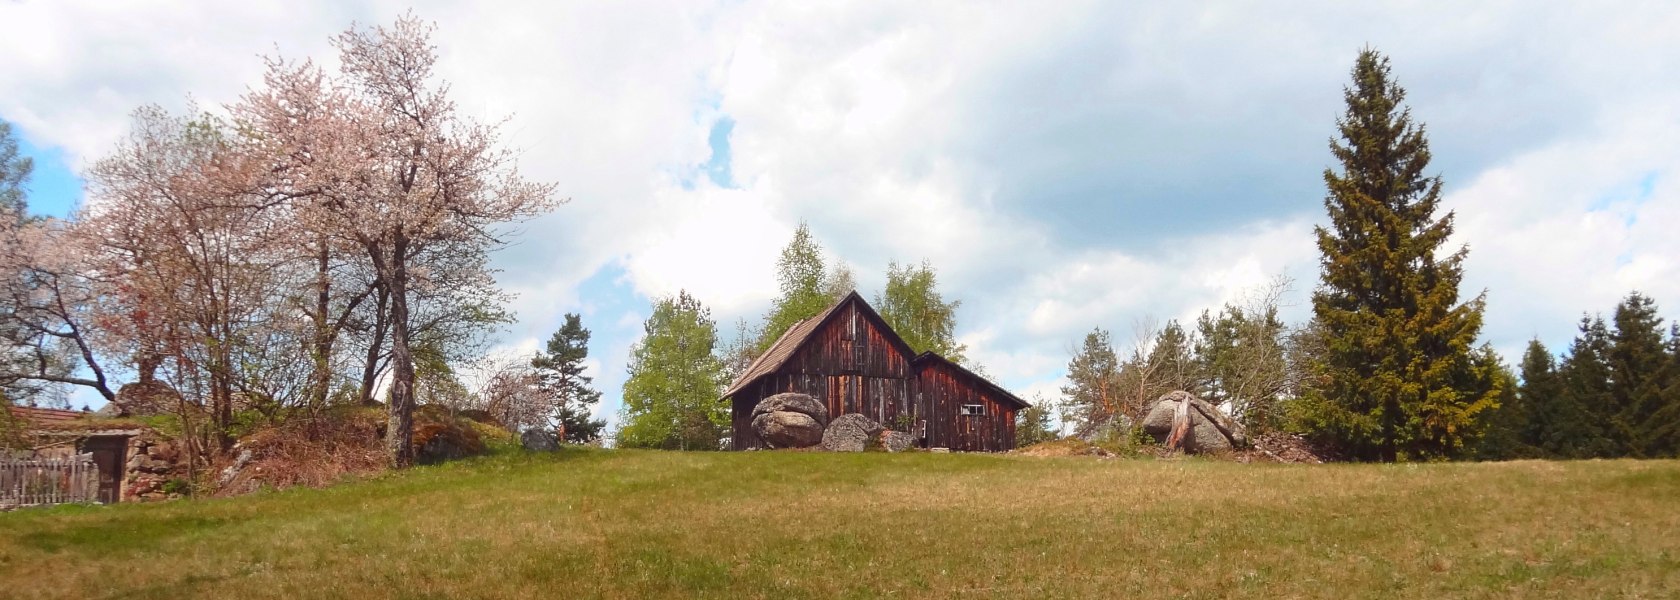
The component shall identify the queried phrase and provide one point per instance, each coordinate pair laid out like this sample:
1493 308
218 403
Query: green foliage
14 174
1032 425
1549 421
1661 432
559 368
1502 433
11 432
1397 377
804 285
913 307
1614 394
671 398
1584 375
1636 360
1091 397
1241 359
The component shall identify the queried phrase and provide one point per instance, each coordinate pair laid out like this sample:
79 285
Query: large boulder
850 432
1210 429
539 440
793 402
897 441
787 429
789 420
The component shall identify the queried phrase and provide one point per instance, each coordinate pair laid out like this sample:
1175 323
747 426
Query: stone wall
152 463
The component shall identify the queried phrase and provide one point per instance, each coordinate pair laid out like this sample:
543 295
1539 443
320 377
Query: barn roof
928 357
786 346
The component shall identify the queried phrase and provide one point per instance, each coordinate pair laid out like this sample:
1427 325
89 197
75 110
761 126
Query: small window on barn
973 410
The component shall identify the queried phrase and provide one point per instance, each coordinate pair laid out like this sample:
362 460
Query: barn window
973 410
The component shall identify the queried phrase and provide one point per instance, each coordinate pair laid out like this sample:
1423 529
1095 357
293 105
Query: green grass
812 525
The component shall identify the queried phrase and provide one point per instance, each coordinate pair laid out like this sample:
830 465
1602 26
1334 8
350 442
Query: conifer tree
1636 361
1397 376
1091 398
1502 434
1662 431
559 368
1580 428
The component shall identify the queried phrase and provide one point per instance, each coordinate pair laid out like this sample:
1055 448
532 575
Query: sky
1063 165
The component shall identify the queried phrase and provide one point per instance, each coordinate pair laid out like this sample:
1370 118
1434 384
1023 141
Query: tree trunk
376 346
320 376
399 432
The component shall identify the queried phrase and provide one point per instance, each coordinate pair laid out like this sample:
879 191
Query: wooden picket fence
40 482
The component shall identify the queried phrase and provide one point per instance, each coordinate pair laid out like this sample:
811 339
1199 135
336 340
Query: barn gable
848 358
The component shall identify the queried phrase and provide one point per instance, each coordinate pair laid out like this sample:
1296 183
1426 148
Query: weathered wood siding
852 365
943 392
849 364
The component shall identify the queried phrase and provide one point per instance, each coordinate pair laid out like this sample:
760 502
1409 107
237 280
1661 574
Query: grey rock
850 432
897 441
537 440
1210 429
793 402
788 429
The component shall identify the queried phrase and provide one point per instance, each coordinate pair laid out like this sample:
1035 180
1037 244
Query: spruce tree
1582 429
1636 362
1396 376
1505 425
559 369
1662 431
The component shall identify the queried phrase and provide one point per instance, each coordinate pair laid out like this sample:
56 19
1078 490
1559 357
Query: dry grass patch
812 525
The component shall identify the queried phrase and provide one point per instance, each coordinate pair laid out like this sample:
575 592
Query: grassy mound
347 442
630 524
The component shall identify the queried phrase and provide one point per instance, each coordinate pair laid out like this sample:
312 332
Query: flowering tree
379 158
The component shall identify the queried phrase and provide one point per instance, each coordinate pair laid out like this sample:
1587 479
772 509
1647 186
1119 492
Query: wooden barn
848 358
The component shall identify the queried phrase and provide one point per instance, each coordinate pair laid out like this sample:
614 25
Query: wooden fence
39 482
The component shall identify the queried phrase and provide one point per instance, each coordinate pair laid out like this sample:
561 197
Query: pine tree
1171 361
1636 360
912 305
671 398
1397 377
1090 399
559 368
1581 430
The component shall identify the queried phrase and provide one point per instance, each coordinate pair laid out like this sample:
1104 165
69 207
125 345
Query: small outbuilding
848 358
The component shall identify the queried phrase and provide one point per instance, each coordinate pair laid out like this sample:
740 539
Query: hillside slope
811 525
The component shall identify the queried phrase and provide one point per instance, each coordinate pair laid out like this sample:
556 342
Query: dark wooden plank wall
848 364
943 391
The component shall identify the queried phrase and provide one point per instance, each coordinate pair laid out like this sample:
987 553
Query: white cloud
1063 166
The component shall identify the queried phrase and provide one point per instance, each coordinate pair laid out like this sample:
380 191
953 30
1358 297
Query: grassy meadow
628 524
